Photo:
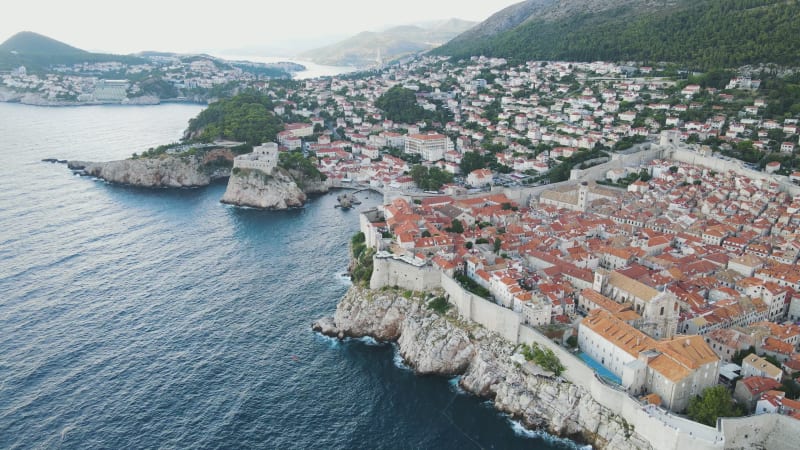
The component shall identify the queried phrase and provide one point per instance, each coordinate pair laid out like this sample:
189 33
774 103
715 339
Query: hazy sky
188 26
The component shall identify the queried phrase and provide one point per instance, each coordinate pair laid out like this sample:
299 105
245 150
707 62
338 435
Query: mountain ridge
701 34
363 49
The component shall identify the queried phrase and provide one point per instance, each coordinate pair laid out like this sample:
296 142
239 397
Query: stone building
674 369
263 158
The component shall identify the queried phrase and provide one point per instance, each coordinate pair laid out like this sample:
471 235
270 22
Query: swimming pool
599 369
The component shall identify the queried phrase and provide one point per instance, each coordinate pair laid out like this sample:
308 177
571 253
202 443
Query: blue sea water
134 318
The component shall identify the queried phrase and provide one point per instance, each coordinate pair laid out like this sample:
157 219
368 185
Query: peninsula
222 142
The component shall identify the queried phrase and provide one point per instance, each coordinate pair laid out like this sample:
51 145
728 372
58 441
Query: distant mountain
364 49
698 33
35 51
30 43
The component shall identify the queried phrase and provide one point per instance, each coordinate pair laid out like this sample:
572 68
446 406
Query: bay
133 318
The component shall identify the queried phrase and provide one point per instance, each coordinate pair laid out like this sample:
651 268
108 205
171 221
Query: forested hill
701 34
244 117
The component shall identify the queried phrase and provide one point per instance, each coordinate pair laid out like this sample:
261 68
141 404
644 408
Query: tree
715 402
741 355
245 117
497 244
400 105
456 226
430 179
471 161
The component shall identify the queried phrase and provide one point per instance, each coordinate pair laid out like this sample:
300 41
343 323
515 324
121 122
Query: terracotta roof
622 335
691 351
777 346
757 385
678 357
602 301
631 286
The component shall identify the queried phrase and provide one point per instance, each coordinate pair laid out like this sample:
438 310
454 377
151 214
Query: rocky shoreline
168 171
256 189
281 189
435 344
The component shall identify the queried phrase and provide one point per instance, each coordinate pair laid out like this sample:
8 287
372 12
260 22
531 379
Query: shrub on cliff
358 238
440 305
299 163
361 266
544 358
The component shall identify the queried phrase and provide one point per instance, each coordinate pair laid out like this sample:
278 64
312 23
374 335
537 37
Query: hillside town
145 80
531 123
667 281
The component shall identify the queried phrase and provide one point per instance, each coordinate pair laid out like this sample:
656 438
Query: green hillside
35 52
701 34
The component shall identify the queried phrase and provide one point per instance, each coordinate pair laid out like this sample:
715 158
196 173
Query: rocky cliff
256 189
164 171
307 183
442 344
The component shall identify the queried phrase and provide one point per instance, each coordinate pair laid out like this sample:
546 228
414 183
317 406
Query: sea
312 69
140 319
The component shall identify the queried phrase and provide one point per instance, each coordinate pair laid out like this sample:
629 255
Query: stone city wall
388 271
663 430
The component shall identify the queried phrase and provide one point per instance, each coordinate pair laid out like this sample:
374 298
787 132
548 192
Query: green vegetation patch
440 305
701 34
543 357
430 179
244 117
470 285
715 402
361 270
297 162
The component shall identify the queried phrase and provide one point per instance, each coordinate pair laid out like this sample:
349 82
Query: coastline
431 343
66 104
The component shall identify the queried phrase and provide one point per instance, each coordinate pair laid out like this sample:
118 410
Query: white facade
431 147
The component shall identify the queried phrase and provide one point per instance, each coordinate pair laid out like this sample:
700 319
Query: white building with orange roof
676 369
480 177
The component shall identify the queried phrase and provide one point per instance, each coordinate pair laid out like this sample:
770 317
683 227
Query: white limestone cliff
431 343
256 189
166 171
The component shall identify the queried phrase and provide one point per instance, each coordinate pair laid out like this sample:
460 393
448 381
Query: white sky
190 26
